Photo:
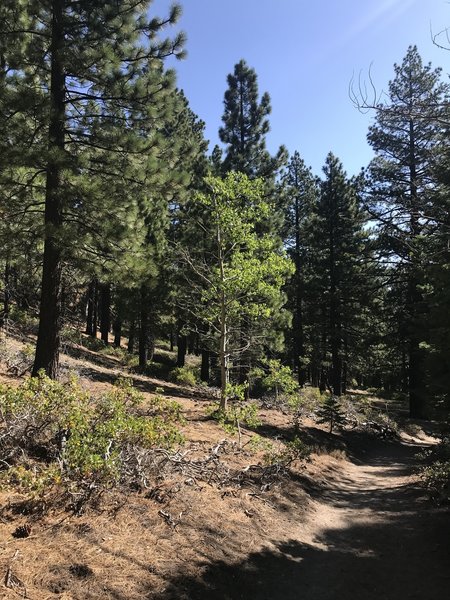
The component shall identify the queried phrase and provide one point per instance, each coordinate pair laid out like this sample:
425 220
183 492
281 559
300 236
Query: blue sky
305 53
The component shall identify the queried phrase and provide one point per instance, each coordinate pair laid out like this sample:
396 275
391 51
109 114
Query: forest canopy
115 219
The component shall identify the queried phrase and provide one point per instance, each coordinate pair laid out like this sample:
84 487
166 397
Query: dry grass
135 545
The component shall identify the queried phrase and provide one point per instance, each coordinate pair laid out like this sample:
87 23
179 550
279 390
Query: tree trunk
131 336
95 312
417 408
7 294
90 307
117 332
191 344
224 363
345 366
143 331
415 299
298 342
204 369
105 311
181 349
48 341
335 322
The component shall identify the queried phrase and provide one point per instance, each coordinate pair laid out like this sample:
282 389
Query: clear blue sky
305 53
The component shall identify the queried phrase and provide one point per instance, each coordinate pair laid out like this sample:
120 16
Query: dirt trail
371 535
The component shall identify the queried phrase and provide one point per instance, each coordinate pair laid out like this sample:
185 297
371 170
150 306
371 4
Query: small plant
184 376
239 411
330 412
257 443
277 379
436 474
293 450
71 335
115 351
56 434
93 343
20 361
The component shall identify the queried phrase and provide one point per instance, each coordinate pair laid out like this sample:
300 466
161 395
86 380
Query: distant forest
115 219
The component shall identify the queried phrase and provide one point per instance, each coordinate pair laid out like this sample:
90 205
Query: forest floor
352 522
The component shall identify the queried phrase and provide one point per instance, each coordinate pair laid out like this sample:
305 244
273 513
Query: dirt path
372 535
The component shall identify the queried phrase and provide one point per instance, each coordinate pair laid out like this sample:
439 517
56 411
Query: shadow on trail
404 557
387 543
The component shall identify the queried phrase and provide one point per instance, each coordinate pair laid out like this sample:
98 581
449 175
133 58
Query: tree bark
298 341
117 332
7 294
131 336
335 322
143 330
48 341
181 349
105 311
90 307
95 311
204 369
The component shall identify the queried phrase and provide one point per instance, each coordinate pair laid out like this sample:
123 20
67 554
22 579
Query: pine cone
23 531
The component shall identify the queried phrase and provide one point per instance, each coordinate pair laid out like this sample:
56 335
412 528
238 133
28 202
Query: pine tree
245 126
406 130
244 130
90 78
330 412
301 196
338 279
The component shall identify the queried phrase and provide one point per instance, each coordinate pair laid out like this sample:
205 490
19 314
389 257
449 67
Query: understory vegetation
235 276
56 436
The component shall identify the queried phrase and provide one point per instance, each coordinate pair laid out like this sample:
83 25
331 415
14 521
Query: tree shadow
402 557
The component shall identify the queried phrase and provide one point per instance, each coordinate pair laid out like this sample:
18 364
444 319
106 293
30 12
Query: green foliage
56 434
330 412
411 222
277 378
304 403
246 125
238 411
237 277
185 375
294 450
436 474
257 443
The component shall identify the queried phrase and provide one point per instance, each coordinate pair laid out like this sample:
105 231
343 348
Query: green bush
436 474
239 411
57 434
71 335
93 343
330 412
184 376
293 450
277 379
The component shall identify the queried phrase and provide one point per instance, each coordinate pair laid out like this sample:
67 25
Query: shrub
56 434
277 379
330 412
436 474
239 411
93 343
293 450
18 362
184 376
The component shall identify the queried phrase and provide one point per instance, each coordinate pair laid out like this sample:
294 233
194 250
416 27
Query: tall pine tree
92 79
404 137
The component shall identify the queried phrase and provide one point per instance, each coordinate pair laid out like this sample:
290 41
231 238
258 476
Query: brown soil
351 524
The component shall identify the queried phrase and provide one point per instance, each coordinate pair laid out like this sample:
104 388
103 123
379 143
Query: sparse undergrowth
436 472
56 437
